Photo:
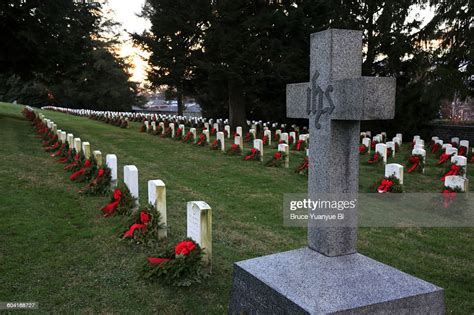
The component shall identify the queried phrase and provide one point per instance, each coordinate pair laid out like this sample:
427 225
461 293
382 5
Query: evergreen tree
174 41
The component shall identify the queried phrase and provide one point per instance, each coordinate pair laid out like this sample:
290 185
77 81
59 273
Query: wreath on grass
444 157
78 163
303 167
416 162
202 140
375 158
101 183
215 145
167 133
188 137
253 154
179 134
180 265
249 137
300 145
143 127
121 202
452 169
363 149
71 160
144 226
277 160
86 172
437 149
234 150
389 184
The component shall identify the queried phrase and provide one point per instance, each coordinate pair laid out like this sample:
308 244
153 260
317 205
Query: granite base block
303 281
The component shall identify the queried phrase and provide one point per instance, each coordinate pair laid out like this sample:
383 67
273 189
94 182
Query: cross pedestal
329 276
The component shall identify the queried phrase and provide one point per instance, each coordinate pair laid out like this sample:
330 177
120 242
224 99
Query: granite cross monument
329 276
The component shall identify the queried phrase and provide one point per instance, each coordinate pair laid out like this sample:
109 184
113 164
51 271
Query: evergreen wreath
179 265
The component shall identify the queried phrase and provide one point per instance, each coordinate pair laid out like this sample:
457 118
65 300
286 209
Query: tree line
61 52
236 56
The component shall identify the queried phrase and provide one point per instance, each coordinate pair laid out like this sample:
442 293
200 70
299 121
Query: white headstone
464 143
284 137
397 140
86 149
391 145
199 226
171 125
77 145
238 130
70 140
283 147
258 144
98 157
381 148
227 129
460 161
157 197
419 146
221 138
193 132
367 142
395 170
419 152
455 140
456 182
206 133
293 136
111 161
267 133
447 145
130 178
63 136
451 150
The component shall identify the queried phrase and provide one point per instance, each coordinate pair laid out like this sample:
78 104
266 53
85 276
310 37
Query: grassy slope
56 249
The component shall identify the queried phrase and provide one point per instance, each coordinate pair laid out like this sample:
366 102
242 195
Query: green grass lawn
57 249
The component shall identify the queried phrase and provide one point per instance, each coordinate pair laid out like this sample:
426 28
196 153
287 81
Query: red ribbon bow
277 155
298 145
144 220
362 148
251 155
303 165
74 163
443 158
415 161
87 164
374 159
384 186
454 170
184 248
109 208
59 151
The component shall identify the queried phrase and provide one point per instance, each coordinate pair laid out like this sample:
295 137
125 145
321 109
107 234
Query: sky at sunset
125 12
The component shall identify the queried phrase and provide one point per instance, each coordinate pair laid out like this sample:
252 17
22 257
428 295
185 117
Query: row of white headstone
253 124
453 181
380 147
199 213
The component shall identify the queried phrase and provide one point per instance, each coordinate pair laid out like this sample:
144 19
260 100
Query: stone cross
335 101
